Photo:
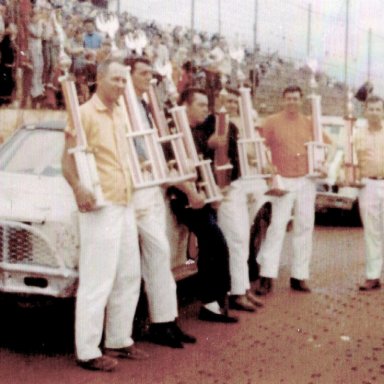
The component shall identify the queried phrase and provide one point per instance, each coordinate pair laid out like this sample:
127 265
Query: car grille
22 244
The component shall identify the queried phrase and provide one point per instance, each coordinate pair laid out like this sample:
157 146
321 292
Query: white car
39 239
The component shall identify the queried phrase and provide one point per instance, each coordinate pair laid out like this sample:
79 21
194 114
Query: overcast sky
282 26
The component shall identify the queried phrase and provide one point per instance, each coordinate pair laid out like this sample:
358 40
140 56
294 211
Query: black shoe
182 336
264 286
299 285
164 334
207 315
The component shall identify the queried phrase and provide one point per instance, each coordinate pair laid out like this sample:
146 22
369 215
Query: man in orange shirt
286 134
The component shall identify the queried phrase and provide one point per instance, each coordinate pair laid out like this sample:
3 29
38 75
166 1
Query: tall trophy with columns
84 155
316 149
254 157
352 177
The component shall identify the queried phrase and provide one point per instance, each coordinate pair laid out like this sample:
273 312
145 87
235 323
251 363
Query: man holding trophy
191 206
287 134
155 249
233 217
109 265
369 148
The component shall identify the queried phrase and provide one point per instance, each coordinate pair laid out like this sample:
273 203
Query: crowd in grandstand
39 36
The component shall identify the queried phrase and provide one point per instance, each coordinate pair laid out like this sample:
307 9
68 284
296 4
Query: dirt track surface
333 335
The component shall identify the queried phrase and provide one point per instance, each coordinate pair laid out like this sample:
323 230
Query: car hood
31 198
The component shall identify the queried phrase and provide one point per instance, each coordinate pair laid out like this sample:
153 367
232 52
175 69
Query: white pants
155 254
301 197
233 220
371 203
109 279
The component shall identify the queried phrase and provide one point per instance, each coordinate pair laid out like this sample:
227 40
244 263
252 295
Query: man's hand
323 170
85 199
216 141
270 169
196 200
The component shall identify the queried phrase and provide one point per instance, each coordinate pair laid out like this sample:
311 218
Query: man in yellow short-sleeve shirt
109 265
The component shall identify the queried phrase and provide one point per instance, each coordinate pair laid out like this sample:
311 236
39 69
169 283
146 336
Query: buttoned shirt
286 137
369 148
104 130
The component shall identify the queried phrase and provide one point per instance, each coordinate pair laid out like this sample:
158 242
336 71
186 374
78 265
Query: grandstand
273 71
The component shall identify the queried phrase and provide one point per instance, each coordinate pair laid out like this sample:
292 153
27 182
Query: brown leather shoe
241 303
253 299
299 285
102 363
131 352
264 286
370 284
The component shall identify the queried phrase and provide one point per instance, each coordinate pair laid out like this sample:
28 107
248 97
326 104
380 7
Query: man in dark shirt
233 216
189 206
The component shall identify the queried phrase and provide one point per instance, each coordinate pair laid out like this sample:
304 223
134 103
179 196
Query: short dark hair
89 20
186 97
373 99
133 61
293 89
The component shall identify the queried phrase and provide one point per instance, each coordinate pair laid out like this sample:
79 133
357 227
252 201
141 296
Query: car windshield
35 152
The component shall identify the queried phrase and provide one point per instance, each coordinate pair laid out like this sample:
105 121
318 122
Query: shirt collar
99 105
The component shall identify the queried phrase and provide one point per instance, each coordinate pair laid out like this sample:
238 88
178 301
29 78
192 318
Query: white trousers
155 254
233 219
371 203
109 279
301 197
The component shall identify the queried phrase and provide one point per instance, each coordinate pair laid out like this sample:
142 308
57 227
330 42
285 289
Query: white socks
213 307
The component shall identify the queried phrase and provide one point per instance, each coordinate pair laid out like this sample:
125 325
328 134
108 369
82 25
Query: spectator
49 54
160 53
35 29
2 18
364 91
8 53
92 39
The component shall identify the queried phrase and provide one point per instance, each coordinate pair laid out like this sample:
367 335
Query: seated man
190 209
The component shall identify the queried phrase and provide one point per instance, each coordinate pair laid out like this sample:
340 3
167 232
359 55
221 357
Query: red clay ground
333 335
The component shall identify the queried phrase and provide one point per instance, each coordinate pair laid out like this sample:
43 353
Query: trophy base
354 184
316 175
276 192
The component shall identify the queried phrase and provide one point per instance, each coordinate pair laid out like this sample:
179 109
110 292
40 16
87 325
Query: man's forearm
69 167
187 187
